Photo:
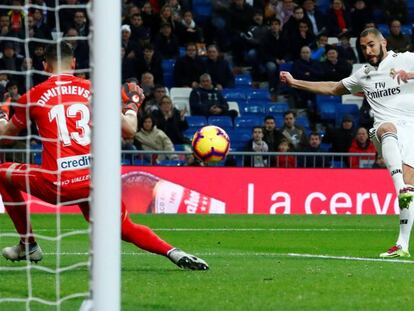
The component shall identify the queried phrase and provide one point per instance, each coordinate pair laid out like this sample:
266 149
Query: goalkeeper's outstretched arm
322 87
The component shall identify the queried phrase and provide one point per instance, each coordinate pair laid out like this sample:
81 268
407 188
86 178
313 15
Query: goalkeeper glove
132 96
3 115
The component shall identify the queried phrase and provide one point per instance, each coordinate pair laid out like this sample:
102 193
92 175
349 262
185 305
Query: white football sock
392 157
406 223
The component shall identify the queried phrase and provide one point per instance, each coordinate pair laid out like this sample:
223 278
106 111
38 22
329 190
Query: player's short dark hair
62 50
371 31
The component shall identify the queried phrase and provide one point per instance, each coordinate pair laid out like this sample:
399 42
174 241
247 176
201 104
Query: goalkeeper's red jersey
60 109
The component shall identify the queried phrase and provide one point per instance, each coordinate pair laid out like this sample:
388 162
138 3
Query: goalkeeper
60 108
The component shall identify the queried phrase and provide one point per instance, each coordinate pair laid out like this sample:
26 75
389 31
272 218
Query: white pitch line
247 254
236 229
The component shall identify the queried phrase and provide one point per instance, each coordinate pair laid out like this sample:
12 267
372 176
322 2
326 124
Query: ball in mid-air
210 144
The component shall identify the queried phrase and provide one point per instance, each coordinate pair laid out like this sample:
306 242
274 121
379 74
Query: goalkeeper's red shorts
29 178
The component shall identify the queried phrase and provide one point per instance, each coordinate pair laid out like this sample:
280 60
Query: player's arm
323 87
132 98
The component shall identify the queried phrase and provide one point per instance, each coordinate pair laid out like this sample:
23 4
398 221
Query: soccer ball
210 144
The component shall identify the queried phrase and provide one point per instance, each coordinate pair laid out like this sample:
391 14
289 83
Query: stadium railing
234 158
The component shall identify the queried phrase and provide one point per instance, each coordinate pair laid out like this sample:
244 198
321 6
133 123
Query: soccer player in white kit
385 80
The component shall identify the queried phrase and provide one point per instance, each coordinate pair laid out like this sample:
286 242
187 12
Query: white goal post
106 150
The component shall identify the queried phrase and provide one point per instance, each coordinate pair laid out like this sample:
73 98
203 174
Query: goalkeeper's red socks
17 211
144 238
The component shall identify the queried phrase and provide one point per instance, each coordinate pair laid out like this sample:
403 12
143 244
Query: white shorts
405 131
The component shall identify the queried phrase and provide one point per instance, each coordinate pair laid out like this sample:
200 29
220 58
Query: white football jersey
389 100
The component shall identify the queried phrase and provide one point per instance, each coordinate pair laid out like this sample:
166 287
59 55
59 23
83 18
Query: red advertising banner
254 191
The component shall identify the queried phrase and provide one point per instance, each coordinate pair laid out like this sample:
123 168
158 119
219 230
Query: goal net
80 268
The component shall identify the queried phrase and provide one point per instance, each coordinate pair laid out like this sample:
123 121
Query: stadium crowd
217 62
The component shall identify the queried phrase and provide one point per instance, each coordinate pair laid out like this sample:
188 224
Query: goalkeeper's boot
186 261
406 196
18 252
394 252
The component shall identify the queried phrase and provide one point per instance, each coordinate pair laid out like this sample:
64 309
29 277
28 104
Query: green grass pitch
257 263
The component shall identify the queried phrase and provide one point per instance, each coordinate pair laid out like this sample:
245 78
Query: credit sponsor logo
74 163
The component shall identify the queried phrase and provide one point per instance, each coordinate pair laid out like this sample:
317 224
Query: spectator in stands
292 25
147 83
309 70
150 18
395 9
256 144
4 25
338 19
315 18
318 49
284 10
360 15
11 60
314 146
379 162
80 23
361 144
38 58
166 42
219 69
341 138
166 17
397 41
138 29
16 16
344 48
240 18
188 30
40 22
255 34
285 161
271 54
80 48
189 68
152 102
4 79
128 66
148 61
149 137
176 9
131 47
301 37
294 134
271 135
208 101
334 68
171 121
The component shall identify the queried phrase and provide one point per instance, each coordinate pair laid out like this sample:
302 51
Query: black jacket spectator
189 68
149 62
334 68
219 68
166 43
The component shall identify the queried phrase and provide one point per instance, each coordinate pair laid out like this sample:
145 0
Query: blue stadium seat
327 111
385 30
328 98
189 133
248 121
221 121
202 10
325 147
285 67
196 121
278 108
351 109
168 68
258 94
406 29
243 80
303 121
252 108
180 147
234 94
